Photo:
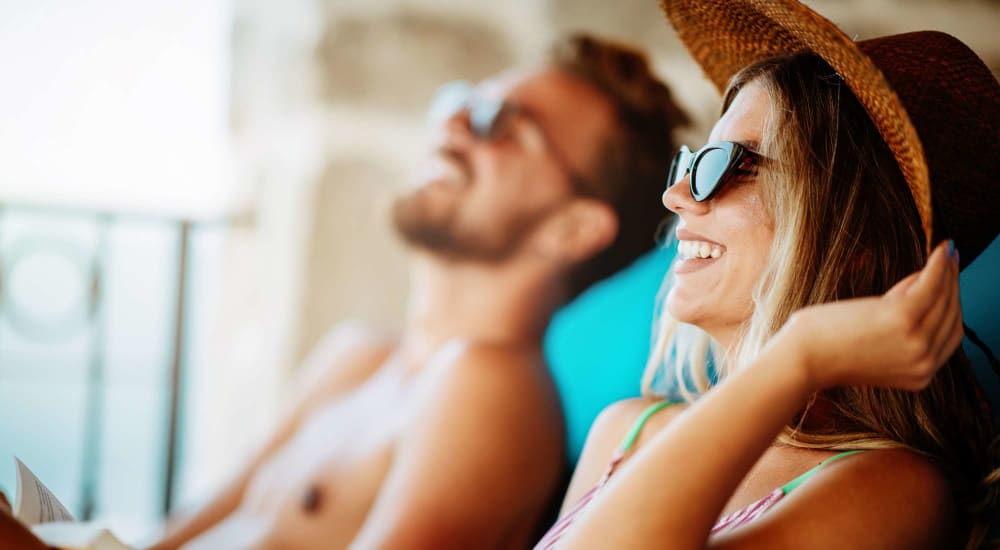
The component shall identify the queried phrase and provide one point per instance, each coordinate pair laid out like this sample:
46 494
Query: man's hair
633 160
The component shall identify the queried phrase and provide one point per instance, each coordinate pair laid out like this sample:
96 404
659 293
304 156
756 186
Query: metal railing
95 319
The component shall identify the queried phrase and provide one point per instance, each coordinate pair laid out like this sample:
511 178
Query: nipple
312 499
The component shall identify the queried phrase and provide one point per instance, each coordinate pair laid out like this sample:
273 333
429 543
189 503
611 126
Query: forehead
539 83
561 102
744 120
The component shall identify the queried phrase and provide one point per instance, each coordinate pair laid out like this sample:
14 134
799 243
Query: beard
439 228
442 233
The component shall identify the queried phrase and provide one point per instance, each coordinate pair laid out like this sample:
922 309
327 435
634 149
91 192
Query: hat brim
724 36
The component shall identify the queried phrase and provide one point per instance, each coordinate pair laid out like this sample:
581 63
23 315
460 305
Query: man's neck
494 304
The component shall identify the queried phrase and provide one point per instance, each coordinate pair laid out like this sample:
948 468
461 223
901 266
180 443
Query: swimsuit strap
633 434
793 484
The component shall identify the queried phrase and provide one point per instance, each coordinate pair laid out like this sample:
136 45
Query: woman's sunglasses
710 167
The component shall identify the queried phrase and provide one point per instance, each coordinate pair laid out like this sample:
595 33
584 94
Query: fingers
927 289
951 330
927 307
939 331
903 286
945 301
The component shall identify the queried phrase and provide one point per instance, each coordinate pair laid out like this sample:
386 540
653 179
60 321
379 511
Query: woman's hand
896 340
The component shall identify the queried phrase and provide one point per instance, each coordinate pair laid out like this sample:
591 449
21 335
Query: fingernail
951 248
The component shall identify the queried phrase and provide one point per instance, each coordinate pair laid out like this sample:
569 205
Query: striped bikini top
731 521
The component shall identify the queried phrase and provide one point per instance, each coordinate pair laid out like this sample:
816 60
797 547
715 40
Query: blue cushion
597 345
980 291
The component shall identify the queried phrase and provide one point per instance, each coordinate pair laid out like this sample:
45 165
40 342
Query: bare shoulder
491 417
607 433
345 356
907 489
492 371
891 498
893 479
617 420
501 397
509 380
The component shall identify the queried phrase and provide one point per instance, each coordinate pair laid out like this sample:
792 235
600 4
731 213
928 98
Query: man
543 180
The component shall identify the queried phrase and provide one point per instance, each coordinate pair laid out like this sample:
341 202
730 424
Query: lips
694 245
696 251
447 167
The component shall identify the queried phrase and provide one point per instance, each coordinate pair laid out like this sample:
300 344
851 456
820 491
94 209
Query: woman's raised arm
676 487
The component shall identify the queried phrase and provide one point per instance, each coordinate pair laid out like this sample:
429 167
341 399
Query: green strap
794 484
641 421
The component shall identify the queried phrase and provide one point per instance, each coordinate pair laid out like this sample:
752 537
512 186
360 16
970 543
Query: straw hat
934 101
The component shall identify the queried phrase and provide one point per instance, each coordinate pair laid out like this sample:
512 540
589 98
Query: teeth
698 249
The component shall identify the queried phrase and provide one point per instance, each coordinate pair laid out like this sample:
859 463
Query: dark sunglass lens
708 172
672 174
679 166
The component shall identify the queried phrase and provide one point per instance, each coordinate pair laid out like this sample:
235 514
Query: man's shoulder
498 381
494 406
497 368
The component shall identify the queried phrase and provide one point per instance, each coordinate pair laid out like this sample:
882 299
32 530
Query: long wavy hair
845 226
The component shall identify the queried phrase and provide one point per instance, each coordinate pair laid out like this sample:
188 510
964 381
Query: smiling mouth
699 250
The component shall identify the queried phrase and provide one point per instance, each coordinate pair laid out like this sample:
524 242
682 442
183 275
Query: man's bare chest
340 454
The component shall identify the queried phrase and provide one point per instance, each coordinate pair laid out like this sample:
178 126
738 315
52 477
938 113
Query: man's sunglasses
710 167
491 119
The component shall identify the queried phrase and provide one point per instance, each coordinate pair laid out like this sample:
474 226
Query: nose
456 127
678 198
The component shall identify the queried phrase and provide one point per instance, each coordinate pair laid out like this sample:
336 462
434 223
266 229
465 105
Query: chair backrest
980 290
597 345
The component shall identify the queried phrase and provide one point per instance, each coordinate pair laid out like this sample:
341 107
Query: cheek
754 253
749 236
756 232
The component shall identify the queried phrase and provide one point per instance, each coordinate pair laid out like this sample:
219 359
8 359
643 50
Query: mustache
460 158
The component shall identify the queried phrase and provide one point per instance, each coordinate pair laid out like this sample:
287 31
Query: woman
847 416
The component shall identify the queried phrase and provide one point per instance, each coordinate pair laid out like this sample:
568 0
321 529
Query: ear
578 231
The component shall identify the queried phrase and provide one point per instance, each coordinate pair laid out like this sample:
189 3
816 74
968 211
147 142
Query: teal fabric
980 291
596 346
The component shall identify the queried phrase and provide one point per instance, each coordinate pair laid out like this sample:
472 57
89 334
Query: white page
88 536
34 502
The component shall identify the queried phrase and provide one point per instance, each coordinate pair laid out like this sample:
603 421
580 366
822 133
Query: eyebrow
753 146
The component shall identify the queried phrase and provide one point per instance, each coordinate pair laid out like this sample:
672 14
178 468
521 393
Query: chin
682 307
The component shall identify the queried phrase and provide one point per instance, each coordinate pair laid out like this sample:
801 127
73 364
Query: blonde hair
845 226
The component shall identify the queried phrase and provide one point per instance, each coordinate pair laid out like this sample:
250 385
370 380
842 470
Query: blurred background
193 191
